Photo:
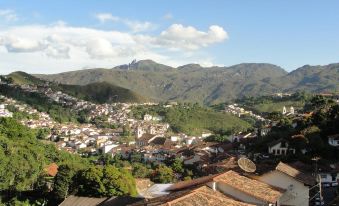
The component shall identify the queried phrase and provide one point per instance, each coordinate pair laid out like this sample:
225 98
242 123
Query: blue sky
55 36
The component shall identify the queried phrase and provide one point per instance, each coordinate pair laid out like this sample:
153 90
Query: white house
280 147
80 145
295 183
333 140
148 117
108 148
329 177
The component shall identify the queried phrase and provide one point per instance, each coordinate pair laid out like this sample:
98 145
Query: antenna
246 164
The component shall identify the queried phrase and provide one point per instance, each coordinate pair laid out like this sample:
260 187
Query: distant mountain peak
144 65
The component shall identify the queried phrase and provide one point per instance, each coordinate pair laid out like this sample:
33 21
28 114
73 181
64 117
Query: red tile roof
201 196
251 187
52 169
297 174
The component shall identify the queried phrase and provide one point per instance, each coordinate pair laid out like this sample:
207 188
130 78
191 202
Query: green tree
140 170
90 182
118 182
177 165
63 181
163 174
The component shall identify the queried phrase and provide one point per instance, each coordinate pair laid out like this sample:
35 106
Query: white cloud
104 17
18 44
135 26
178 36
60 47
8 15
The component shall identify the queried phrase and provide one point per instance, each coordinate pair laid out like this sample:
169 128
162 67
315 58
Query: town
227 167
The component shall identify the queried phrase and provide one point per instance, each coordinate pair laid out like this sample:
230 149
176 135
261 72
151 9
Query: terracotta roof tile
297 174
249 186
82 201
205 196
201 196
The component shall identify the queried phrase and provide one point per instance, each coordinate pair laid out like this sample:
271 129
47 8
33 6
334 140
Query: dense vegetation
23 177
212 85
267 104
24 78
193 119
23 159
309 133
101 92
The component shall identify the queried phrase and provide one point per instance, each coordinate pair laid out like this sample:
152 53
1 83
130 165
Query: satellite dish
246 164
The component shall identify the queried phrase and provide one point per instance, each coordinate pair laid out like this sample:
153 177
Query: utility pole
318 177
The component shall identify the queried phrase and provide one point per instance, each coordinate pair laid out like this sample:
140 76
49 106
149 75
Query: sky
42 36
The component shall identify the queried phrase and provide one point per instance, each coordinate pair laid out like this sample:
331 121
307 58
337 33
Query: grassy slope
102 92
24 78
209 120
277 106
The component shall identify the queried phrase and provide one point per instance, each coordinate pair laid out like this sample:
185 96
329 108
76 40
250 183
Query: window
278 151
324 176
273 151
334 177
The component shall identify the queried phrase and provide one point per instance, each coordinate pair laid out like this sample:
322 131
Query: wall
298 195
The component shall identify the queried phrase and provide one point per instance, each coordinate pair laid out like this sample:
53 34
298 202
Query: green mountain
191 82
208 85
311 78
102 92
99 92
24 78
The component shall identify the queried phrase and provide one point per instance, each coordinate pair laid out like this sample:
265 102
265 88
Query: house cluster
39 120
289 112
284 184
239 111
85 138
281 95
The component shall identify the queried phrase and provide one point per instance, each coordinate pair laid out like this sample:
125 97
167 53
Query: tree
43 133
118 182
163 174
140 171
126 131
107 181
62 181
177 165
90 182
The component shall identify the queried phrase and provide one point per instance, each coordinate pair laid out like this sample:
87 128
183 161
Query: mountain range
208 85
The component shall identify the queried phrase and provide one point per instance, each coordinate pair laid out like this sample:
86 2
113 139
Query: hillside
191 83
193 119
101 92
24 78
98 92
208 85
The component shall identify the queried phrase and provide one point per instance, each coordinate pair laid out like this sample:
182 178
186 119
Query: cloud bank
63 46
